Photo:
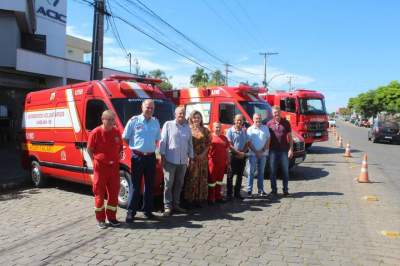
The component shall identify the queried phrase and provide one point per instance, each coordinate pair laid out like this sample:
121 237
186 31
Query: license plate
298 160
388 137
318 134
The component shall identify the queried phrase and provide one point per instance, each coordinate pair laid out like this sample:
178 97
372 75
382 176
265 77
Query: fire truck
305 110
221 104
57 122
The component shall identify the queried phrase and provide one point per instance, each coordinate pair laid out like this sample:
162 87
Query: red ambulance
57 122
223 103
305 110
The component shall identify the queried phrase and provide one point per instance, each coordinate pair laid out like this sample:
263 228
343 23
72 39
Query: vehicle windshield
312 106
126 108
390 124
264 109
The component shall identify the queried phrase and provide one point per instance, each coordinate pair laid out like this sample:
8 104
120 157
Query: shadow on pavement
193 218
328 150
314 194
18 194
307 173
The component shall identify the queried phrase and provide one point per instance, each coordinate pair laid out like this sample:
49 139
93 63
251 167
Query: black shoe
249 194
286 194
129 218
273 195
150 215
101 225
114 223
220 201
239 197
262 194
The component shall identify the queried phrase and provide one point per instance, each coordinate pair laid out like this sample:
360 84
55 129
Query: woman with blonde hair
196 184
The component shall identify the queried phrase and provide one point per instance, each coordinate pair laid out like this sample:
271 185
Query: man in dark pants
281 150
142 132
238 144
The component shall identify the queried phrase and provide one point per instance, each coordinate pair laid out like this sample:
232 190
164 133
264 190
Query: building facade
36 53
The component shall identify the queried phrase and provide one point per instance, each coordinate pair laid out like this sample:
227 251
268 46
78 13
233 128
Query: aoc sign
50 10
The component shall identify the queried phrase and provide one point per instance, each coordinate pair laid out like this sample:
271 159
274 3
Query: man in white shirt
259 141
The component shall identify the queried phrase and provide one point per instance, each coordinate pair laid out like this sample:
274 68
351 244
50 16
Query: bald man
176 149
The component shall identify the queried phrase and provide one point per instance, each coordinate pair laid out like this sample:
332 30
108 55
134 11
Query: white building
36 53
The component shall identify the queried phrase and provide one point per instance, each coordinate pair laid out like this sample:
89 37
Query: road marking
391 234
370 198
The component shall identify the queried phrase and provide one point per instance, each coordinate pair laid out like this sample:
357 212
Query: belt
139 153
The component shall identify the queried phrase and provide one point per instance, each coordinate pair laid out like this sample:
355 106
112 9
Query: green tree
199 78
217 79
159 74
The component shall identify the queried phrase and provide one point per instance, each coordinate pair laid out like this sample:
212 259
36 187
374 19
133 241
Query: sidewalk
11 173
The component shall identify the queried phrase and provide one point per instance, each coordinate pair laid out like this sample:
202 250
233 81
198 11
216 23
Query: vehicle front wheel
37 177
124 188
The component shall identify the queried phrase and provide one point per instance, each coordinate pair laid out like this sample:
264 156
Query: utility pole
227 71
290 82
130 62
265 65
97 40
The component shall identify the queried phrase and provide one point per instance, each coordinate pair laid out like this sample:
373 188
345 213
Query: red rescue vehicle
57 122
305 110
223 103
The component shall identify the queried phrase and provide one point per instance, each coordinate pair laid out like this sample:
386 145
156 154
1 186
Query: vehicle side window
290 105
203 108
226 113
94 109
283 104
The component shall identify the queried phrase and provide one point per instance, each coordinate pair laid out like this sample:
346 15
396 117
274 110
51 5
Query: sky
341 48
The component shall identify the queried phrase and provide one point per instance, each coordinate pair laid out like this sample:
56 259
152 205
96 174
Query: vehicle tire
124 188
37 177
308 145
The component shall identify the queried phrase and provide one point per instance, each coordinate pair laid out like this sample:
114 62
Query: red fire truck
305 109
223 103
57 122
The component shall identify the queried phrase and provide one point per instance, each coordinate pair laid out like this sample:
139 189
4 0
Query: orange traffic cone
363 177
347 152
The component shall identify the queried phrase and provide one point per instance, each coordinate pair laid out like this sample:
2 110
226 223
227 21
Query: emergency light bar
134 78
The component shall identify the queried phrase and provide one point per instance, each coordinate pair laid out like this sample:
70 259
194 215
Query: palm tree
217 78
159 74
199 78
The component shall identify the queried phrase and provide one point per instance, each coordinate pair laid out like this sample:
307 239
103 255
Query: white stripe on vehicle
137 90
193 93
72 110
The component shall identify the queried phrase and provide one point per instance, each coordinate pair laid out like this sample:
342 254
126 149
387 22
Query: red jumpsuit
217 163
106 147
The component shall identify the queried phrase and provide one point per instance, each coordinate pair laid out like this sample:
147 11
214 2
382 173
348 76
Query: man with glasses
105 148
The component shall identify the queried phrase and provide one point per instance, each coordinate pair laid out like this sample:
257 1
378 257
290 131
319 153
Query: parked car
384 131
332 122
365 123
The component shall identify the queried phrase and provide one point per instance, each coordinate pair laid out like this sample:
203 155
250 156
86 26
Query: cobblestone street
326 221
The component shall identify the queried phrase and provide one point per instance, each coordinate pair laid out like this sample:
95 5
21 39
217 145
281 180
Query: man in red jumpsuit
105 147
218 161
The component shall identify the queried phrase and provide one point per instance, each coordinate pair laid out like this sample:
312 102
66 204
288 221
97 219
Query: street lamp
273 77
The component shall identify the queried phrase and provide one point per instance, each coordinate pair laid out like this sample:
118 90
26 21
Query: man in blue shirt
238 144
176 148
142 132
259 140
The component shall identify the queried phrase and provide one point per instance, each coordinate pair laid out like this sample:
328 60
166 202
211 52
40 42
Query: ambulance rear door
68 134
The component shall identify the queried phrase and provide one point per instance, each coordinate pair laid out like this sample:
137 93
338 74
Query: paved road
325 222
384 156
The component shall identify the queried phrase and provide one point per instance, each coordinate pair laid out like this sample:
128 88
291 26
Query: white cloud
180 81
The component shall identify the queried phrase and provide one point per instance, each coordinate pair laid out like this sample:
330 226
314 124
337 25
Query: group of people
194 160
